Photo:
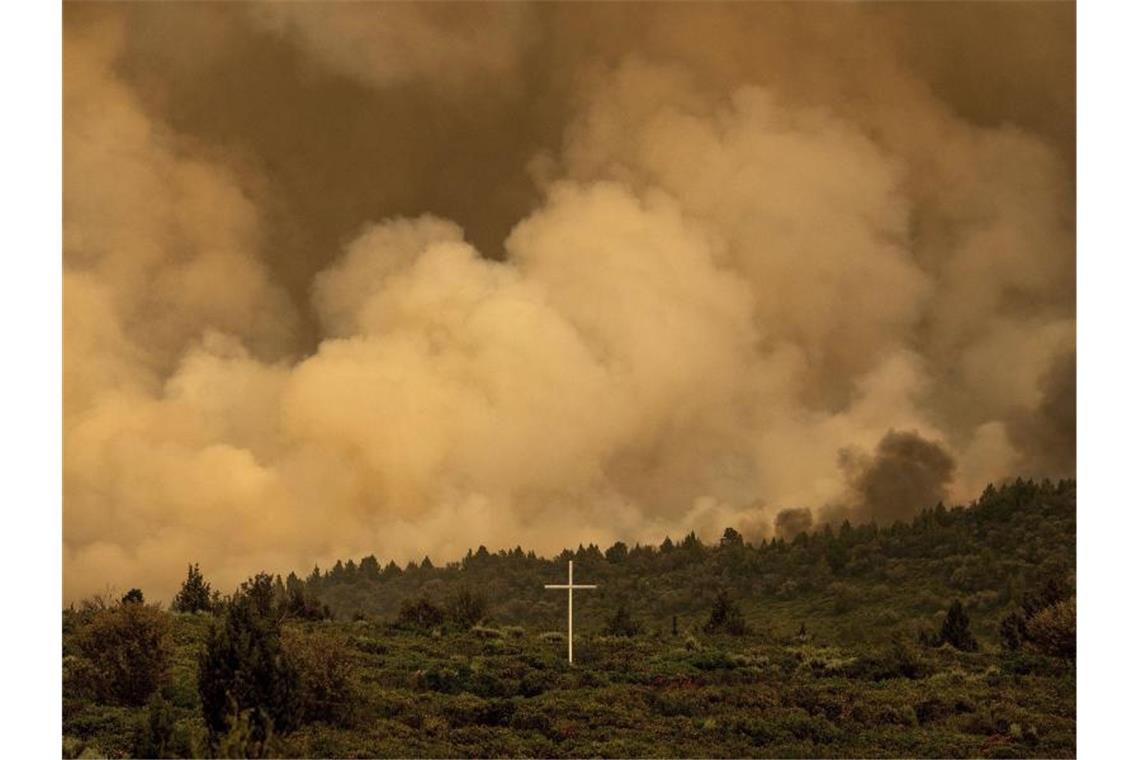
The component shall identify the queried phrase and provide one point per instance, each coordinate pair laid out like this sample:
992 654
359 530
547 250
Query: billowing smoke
907 473
350 279
792 522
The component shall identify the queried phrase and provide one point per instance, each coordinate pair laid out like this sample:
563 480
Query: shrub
327 675
900 659
446 678
1053 630
419 613
127 651
467 607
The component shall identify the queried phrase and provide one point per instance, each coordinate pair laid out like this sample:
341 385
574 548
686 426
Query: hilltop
849 584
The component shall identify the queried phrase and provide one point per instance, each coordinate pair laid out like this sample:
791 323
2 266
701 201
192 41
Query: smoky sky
404 278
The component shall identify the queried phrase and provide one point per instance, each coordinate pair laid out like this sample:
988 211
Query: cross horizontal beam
576 585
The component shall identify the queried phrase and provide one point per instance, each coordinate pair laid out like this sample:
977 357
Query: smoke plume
345 279
907 473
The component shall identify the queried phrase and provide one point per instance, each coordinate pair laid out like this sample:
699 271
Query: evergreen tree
243 669
617 553
956 629
1012 631
370 568
691 543
726 616
731 539
621 623
194 595
134 596
159 735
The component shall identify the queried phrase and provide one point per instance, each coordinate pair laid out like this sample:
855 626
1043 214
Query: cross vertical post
569 586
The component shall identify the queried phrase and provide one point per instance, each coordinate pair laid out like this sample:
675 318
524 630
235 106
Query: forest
953 634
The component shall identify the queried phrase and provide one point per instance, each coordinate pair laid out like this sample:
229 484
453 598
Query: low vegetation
952 635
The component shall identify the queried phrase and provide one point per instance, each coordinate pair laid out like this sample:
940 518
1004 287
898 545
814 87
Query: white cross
570 610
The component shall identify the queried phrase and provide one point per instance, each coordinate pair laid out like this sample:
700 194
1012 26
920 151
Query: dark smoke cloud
792 522
906 474
1047 435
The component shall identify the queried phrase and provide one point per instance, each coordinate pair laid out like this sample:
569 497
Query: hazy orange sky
344 279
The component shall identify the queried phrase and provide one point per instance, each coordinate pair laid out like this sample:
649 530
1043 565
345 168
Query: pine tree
621 623
243 668
726 616
194 595
617 553
956 629
1012 631
731 539
370 568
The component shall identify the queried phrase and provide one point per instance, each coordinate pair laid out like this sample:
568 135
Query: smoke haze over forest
345 279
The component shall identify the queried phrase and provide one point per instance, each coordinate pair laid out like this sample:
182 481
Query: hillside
847 649
848 585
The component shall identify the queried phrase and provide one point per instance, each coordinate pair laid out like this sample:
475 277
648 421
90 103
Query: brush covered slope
948 636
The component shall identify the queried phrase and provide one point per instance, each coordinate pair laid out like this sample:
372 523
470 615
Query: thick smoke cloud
792 522
561 274
907 473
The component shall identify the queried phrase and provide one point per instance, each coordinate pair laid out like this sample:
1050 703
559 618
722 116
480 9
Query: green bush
1053 630
327 674
900 659
125 653
467 607
420 613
